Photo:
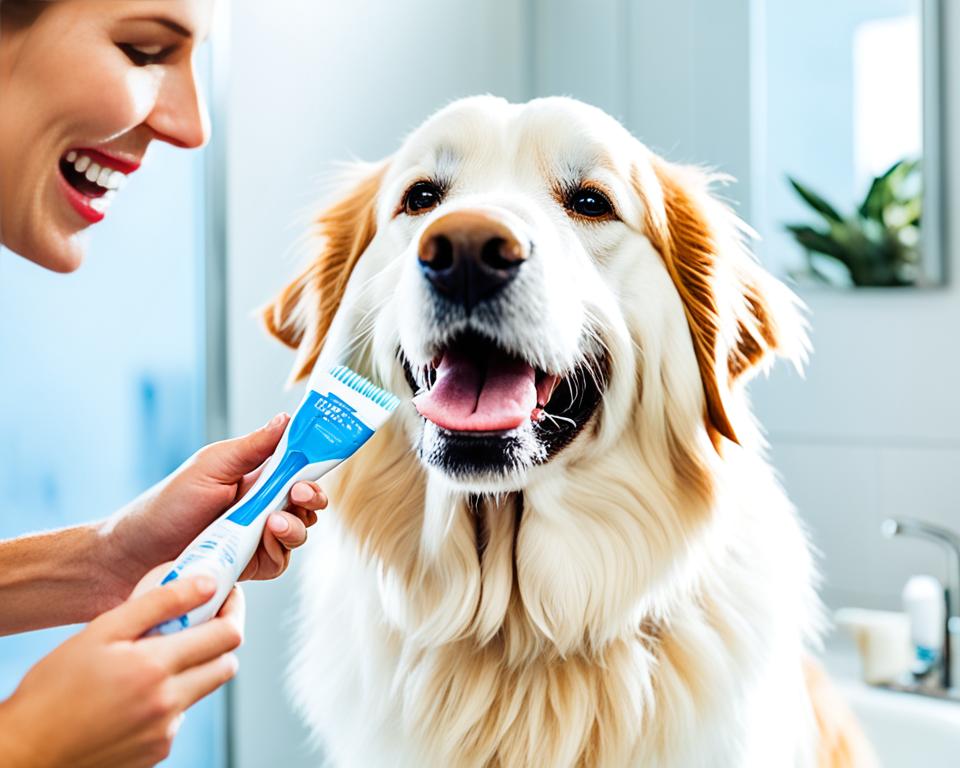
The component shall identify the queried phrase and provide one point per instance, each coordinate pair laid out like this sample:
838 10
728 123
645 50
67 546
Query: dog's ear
740 317
301 315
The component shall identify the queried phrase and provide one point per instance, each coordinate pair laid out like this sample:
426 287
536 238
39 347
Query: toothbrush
339 413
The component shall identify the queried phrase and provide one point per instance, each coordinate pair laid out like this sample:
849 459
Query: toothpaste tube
340 412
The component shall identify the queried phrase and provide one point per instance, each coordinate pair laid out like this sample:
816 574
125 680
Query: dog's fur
638 593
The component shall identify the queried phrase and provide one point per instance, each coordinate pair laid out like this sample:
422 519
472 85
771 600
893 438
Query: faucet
950 542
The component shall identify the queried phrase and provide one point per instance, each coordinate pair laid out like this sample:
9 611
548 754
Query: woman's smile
90 178
64 154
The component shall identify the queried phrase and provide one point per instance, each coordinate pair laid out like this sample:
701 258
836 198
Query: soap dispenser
925 603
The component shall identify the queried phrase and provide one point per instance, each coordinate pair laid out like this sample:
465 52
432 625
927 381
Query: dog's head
535 277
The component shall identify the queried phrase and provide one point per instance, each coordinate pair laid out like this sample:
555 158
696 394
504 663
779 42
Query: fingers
277 552
234 608
151 579
288 529
229 460
308 496
247 482
194 646
140 614
197 682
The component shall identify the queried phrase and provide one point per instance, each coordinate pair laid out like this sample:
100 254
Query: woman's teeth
101 175
100 204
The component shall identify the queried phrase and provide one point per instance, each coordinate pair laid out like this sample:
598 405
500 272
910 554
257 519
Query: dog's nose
469 256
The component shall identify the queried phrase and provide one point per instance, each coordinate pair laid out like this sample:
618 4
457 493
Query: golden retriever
567 547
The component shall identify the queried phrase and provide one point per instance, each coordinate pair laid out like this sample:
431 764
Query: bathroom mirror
849 157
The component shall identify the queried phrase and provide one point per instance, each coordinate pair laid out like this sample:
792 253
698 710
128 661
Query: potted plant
879 244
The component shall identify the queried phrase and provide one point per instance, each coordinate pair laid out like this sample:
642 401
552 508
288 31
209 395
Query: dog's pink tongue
494 392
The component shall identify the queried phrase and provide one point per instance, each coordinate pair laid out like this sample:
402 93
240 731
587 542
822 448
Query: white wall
874 430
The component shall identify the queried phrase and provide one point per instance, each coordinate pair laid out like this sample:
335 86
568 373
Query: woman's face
87 85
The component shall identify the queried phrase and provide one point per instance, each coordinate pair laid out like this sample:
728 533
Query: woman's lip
79 201
107 159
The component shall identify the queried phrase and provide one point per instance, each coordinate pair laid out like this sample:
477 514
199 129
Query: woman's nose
179 116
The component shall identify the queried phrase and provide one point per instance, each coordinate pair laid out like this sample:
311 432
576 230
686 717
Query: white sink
907 731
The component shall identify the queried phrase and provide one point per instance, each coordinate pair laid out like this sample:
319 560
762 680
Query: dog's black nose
468 256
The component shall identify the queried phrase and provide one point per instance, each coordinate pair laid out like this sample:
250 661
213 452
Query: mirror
849 153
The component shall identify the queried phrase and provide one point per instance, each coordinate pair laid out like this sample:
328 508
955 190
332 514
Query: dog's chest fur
453 657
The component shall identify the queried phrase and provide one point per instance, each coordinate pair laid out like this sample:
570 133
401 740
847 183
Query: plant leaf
816 202
820 242
877 198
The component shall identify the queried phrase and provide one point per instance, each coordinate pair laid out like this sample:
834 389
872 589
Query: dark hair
21 13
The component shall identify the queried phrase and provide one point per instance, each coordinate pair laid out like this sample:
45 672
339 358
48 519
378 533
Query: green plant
880 243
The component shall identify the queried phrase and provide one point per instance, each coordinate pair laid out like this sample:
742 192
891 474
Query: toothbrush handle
221 552
225 547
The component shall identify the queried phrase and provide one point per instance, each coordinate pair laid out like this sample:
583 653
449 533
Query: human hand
110 698
160 524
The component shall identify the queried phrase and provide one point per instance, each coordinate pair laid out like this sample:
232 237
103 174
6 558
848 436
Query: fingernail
301 493
279 524
275 421
206 584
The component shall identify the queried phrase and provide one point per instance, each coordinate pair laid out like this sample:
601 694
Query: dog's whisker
554 418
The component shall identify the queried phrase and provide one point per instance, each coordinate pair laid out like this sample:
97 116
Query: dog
567 547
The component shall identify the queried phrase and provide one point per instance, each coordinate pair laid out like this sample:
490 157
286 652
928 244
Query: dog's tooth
104 177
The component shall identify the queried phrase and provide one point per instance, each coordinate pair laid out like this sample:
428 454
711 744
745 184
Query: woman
87 86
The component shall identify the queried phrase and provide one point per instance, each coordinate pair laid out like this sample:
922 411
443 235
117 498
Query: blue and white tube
340 412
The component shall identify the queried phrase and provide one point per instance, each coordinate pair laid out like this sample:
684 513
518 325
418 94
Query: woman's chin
69 256
59 252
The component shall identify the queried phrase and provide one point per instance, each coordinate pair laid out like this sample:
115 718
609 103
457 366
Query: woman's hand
109 697
158 525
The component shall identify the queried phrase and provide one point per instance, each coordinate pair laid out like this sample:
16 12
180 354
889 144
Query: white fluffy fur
653 605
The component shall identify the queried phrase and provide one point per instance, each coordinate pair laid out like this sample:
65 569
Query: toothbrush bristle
365 387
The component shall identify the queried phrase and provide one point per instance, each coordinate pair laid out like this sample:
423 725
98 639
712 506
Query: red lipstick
108 159
80 202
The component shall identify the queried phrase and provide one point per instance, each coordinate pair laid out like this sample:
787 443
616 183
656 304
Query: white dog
568 549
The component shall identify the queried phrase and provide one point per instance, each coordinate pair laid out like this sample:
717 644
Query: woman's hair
20 13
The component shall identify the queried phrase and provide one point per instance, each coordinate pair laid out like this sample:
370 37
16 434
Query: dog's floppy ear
301 315
739 316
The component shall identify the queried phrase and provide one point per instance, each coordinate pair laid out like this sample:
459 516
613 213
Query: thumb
229 460
139 614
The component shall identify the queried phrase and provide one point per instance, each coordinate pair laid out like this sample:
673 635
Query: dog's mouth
474 386
489 410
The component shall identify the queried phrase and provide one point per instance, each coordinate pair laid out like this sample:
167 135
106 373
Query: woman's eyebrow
168 23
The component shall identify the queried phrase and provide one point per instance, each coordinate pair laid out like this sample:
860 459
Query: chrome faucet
947 678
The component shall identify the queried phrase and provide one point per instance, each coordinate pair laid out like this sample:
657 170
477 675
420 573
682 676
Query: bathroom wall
874 429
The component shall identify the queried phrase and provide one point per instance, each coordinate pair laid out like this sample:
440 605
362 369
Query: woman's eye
590 203
144 55
422 196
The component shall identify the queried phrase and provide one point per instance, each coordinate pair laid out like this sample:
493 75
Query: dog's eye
421 197
590 203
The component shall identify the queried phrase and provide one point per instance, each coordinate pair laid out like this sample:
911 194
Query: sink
906 730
